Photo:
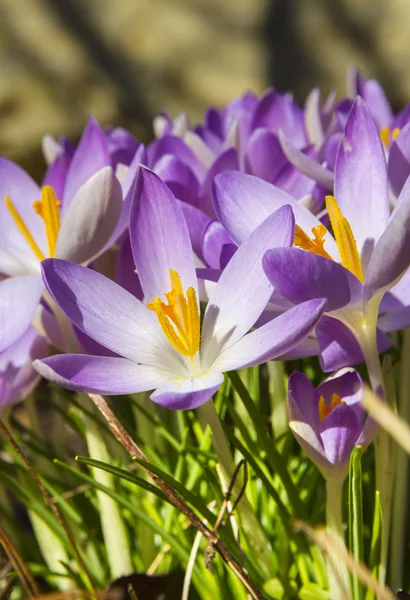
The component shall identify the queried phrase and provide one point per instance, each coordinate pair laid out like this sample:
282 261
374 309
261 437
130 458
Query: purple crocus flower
160 343
17 375
373 247
368 256
329 421
80 224
96 149
248 135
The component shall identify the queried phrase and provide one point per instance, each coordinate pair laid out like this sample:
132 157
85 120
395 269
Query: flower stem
401 489
382 449
339 580
252 527
113 527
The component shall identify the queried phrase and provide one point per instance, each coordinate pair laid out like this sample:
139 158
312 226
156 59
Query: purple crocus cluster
267 232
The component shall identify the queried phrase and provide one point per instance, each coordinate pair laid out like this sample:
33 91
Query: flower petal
159 237
339 347
391 256
243 289
98 374
214 240
274 339
90 156
91 218
242 202
16 256
299 275
302 391
305 164
361 187
264 156
399 160
107 313
125 273
189 392
339 433
19 298
17 376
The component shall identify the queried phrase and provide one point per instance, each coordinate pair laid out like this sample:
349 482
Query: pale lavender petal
177 147
91 218
107 313
179 178
243 290
125 273
19 298
294 182
16 256
17 375
394 320
313 120
309 347
299 276
159 237
197 222
339 347
128 186
242 202
373 94
226 161
399 160
264 156
122 146
188 393
361 187
348 385
56 174
391 256
279 111
309 166
339 433
214 240
99 374
302 392
274 339
305 434
90 156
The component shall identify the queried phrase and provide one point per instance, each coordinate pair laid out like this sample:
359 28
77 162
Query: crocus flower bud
329 421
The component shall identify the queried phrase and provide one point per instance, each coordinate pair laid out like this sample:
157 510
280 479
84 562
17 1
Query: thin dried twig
48 500
134 450
19 565
332 549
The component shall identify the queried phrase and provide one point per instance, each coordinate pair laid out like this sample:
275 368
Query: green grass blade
356 516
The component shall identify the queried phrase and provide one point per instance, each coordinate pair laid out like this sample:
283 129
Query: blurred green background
125 60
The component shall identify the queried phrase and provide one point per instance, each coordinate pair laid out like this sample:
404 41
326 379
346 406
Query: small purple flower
77 219
17 375
329 421
161 343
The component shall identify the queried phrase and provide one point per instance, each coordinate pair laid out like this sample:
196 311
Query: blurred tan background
125 60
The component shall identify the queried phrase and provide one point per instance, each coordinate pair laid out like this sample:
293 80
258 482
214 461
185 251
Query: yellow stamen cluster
179 318
387 136
324 409
346 243
315 245
47 209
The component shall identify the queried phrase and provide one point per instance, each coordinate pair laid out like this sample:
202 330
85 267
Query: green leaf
376 542
311 591
187 495
356 516
274 458
179 549
123 474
